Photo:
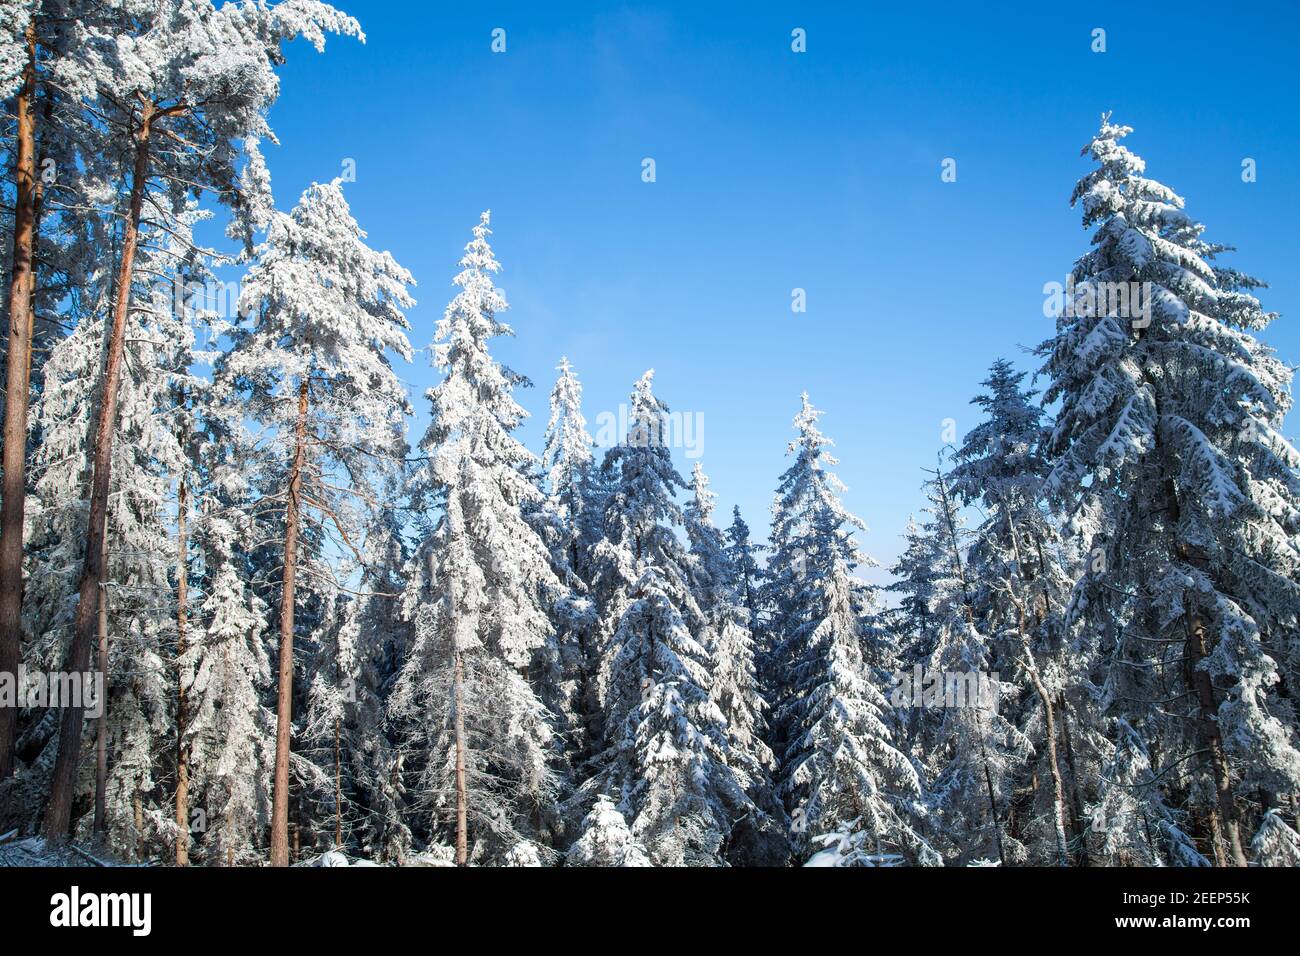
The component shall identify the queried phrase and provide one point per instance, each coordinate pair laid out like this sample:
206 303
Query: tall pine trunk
182 715
101 735
284 699
17 389
64 777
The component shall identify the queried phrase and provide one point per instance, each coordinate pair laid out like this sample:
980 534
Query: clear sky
778 170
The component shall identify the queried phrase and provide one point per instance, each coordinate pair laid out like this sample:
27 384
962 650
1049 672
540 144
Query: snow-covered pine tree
1169 458
665 758
183 88
480 585
311 364
1019 587
15 16
840 768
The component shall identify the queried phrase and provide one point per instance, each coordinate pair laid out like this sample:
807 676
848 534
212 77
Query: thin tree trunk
284 701
993 805
101 735
63 778
1031 668
1053 763
462 802
1060 709
1076 801
138 806
338 788
17 395
182 715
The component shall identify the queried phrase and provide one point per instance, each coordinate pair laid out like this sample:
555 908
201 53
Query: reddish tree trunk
63 779
101 735
284 700
17 389
182 715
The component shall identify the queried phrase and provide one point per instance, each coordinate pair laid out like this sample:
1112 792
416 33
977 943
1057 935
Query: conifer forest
295 571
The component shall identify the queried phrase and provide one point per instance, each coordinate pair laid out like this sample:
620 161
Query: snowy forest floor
34 851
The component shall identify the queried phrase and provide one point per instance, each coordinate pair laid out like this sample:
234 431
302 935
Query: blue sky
778 170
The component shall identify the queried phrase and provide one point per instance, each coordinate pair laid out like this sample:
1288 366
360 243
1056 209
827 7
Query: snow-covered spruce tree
955 687
840 768
163 358
229 731
1168 457
569 522
569 465
606 840
743 554
717 586
480 584
715 581
353 670
310 364
665 759
710 572
1275 843
1018 588
182 88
